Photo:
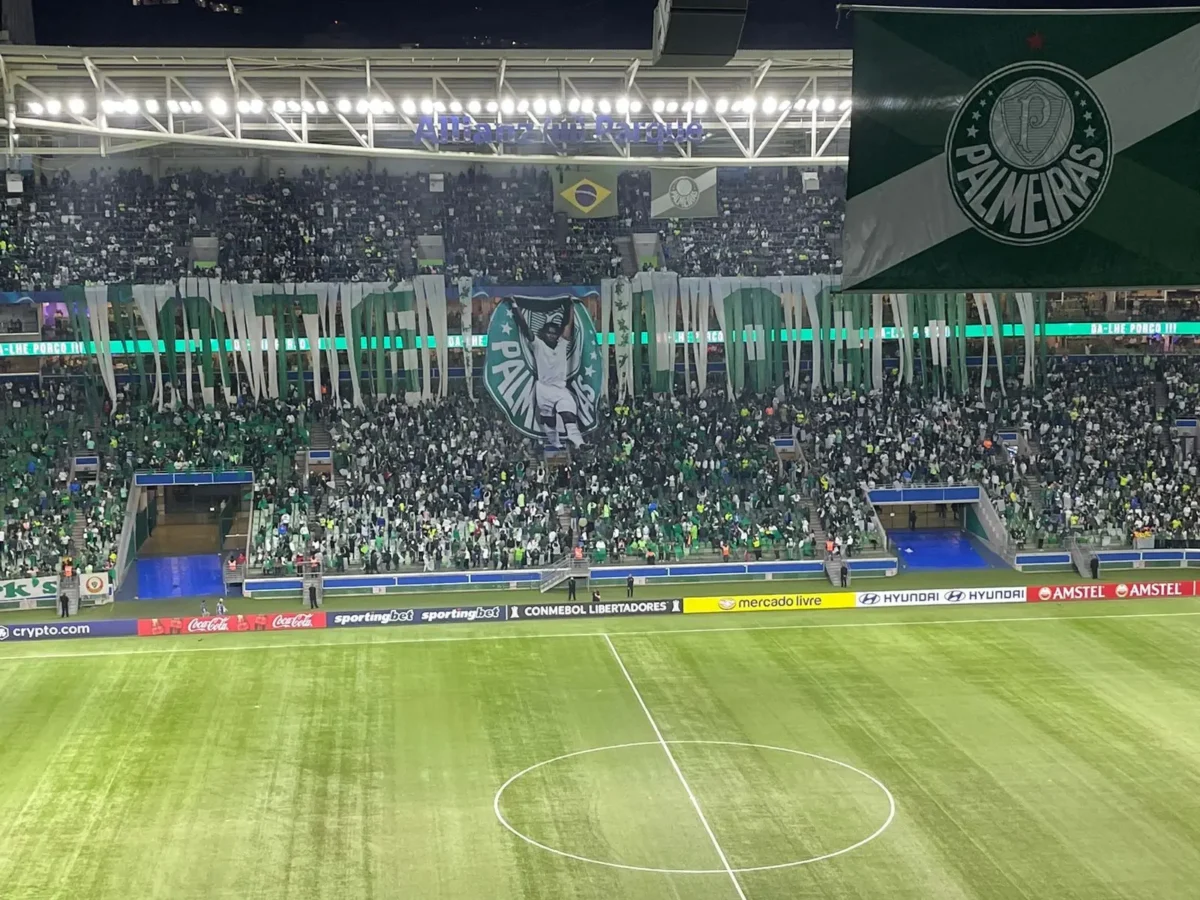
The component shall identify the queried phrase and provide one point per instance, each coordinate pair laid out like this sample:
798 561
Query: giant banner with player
1009 150
543 367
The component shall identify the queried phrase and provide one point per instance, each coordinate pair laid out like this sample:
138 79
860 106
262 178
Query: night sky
493 24
571 24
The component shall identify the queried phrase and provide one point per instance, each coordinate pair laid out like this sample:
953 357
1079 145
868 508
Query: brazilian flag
586 193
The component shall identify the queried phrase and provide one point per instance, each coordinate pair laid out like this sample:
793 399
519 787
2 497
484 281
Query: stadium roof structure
602 108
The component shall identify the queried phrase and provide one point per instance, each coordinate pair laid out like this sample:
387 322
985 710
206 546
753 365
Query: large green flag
1023 150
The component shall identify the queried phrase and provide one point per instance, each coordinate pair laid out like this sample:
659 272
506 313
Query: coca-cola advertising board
299 621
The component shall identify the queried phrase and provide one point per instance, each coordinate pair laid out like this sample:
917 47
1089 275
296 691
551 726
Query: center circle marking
667 871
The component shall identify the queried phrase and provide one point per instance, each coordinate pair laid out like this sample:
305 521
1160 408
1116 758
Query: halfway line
671 757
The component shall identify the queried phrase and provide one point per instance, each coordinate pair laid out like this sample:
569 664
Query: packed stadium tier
449 484
332 225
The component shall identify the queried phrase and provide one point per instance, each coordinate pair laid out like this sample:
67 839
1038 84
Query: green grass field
1043 751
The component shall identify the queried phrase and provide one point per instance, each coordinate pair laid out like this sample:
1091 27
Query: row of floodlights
378 106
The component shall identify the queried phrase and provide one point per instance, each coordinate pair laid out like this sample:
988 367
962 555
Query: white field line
220 647
678 771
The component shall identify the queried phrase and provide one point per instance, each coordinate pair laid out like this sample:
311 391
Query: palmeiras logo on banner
1029 153
543 367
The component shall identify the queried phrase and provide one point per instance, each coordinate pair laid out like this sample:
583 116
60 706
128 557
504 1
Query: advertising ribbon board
371 617
304 621
584 610
1100 590
770 602
49 631
944 597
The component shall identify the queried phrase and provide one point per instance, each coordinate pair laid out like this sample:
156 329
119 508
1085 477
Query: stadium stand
438 486
360 227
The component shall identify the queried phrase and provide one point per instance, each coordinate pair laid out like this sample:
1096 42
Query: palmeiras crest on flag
1029 153
543 367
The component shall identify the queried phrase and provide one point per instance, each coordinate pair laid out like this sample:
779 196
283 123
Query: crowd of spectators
322 225
659 479
899 436
1106 452
447 484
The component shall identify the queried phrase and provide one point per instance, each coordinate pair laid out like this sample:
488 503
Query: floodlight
217 106
721 105
700 106
658 105
539 106
573 105
130 106
768 104
344 105
828 104
604 106
36 108
473 106
76 105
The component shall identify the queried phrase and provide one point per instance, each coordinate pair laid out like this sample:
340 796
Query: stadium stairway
1036 490
814 524
77 532
319 437
629 260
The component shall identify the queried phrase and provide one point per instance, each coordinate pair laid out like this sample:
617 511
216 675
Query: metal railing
997 531
125 548
876 525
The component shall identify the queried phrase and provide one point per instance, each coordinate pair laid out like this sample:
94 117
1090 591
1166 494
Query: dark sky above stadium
582 24
496 24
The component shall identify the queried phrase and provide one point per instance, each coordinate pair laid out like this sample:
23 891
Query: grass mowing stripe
675 765
444 639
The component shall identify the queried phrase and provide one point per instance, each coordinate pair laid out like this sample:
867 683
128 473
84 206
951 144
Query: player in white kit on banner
550 347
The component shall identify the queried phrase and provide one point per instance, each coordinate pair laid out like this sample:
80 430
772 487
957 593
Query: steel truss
109 102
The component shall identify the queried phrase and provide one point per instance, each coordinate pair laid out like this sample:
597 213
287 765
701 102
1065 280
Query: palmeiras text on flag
1023 150
558 333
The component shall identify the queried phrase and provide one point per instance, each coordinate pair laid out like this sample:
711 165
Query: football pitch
1018 752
